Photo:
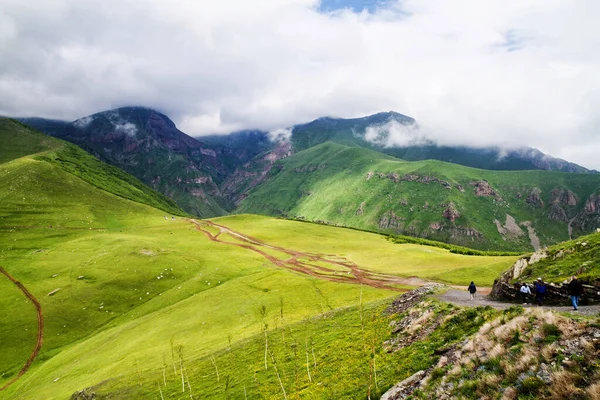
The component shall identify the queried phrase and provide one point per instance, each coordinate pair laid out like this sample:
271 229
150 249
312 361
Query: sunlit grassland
371 251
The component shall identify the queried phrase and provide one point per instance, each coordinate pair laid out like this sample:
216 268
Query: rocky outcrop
510 230
390 220
592 205
451 212
557 213
483 189
563 196
534 198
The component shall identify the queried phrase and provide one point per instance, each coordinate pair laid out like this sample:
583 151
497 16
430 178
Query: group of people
540 289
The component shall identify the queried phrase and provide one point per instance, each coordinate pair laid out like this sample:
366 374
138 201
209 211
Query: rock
510 230
563 196
405 388
534 198
460 188
451 212
556 213
52 293
80 277
483 189
592 205
370 175
390 220
85 394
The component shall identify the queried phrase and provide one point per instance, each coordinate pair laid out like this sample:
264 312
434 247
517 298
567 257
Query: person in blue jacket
540 291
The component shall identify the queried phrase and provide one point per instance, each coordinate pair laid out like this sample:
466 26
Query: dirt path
40 334
327 267
461 298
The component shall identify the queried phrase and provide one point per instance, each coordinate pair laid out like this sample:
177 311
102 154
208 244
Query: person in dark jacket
472 289
540 291
575 291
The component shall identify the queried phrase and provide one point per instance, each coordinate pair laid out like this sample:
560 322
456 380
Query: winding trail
317 265
40 334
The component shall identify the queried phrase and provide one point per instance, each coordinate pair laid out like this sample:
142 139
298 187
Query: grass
579 257
137 289
372 251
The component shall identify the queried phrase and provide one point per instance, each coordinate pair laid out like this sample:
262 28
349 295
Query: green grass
579 257
134 285
372 251
329 183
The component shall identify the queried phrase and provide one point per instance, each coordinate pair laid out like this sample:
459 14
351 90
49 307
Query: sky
509 73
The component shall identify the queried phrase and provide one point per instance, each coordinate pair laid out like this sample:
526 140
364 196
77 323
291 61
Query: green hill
135 304
492 210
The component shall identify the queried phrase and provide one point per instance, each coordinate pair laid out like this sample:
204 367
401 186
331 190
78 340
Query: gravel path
461 298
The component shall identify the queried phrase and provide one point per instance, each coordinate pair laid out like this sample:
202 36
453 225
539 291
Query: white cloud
127 128
280 135
509 73
395 134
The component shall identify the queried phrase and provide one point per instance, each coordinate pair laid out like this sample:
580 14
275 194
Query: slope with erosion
494 210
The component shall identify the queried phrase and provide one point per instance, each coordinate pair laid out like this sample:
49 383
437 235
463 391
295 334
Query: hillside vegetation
491 210
135 304
579 257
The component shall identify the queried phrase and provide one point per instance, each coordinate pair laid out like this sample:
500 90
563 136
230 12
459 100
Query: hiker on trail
575 291
472 289
540 291
525 291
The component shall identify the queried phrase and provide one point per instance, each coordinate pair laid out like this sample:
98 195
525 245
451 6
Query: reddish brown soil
40 335
352 273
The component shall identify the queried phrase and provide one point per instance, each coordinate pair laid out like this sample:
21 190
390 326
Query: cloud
280 135
507 73
395 134
127 128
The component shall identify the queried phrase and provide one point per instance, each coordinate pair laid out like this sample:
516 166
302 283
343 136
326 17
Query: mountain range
350 172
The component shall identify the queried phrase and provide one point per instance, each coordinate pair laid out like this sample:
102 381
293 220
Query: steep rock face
563 196
255 171
534 198
557 213
592 205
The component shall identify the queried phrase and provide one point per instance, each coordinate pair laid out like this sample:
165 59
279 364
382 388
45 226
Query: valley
126 288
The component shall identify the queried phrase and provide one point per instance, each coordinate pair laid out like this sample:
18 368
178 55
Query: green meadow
134 303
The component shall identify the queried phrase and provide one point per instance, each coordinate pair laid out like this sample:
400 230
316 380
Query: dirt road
461 298
40 334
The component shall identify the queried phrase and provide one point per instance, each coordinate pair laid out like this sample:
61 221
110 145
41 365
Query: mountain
500 210
148 145
373 132
104 297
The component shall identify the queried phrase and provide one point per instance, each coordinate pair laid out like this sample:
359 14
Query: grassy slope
335 192
577 257
372 251
113 317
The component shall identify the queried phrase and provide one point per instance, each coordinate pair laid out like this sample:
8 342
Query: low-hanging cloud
509 73
395 134
280 135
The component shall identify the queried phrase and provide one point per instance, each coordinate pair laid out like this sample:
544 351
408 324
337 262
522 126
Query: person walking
575 291
540 291
472 290
525 291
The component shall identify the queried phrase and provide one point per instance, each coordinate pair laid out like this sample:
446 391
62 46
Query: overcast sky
504 72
